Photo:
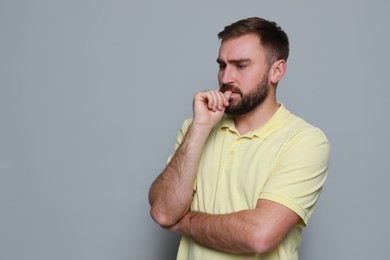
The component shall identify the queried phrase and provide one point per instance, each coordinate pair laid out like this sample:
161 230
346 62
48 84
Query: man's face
244 71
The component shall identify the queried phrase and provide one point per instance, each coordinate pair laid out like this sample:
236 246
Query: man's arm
304 165
170 195
248 231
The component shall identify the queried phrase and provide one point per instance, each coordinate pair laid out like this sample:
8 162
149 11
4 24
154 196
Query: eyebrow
234 61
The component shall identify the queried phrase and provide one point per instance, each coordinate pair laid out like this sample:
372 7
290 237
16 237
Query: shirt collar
266 130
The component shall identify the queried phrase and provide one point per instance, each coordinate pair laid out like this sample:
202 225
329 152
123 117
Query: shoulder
303 136
307 144
296 127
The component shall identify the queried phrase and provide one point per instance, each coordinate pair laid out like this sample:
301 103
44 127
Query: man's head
252 60
272 38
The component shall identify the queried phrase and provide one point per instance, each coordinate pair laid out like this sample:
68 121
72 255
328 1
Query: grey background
92 94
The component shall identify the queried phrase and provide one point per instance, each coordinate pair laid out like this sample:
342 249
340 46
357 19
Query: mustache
232 88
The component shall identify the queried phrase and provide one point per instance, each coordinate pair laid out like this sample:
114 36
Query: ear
277 71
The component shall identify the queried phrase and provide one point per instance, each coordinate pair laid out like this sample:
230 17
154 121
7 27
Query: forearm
232 233
248 231
171 193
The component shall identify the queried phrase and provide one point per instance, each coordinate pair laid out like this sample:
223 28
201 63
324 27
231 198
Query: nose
225 76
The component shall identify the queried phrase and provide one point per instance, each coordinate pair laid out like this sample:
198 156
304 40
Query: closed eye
222 66
242 65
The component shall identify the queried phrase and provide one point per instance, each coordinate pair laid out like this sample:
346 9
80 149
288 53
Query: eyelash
238 66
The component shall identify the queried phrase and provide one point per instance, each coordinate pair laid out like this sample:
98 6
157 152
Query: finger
215 100
222 101
227 94
211 100
219 100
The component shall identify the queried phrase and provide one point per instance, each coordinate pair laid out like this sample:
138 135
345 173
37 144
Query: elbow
161 217
160 214
261 243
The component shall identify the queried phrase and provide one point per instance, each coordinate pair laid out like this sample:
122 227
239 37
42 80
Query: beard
249 100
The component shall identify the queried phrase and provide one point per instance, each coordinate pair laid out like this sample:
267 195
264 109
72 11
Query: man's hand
209 107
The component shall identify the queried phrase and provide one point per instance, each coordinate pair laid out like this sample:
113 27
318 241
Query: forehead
242 47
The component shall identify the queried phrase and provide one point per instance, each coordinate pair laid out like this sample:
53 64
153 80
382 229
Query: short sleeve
180 137
299 175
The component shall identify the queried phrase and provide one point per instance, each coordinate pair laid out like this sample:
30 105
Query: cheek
248 79
250 82
255 77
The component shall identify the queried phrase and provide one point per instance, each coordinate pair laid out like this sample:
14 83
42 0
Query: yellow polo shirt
285 161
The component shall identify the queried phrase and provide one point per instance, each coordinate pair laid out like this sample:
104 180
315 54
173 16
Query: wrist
181 227
199 131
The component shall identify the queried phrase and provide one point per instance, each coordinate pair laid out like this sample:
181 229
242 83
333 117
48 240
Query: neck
257 117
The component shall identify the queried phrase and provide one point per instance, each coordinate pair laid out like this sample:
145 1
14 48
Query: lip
234 95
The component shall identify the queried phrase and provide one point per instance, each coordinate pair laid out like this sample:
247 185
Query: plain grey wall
92 94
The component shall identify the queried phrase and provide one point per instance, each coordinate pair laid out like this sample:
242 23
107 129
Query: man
246 173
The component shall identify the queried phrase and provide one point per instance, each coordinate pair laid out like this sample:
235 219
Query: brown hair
272 37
